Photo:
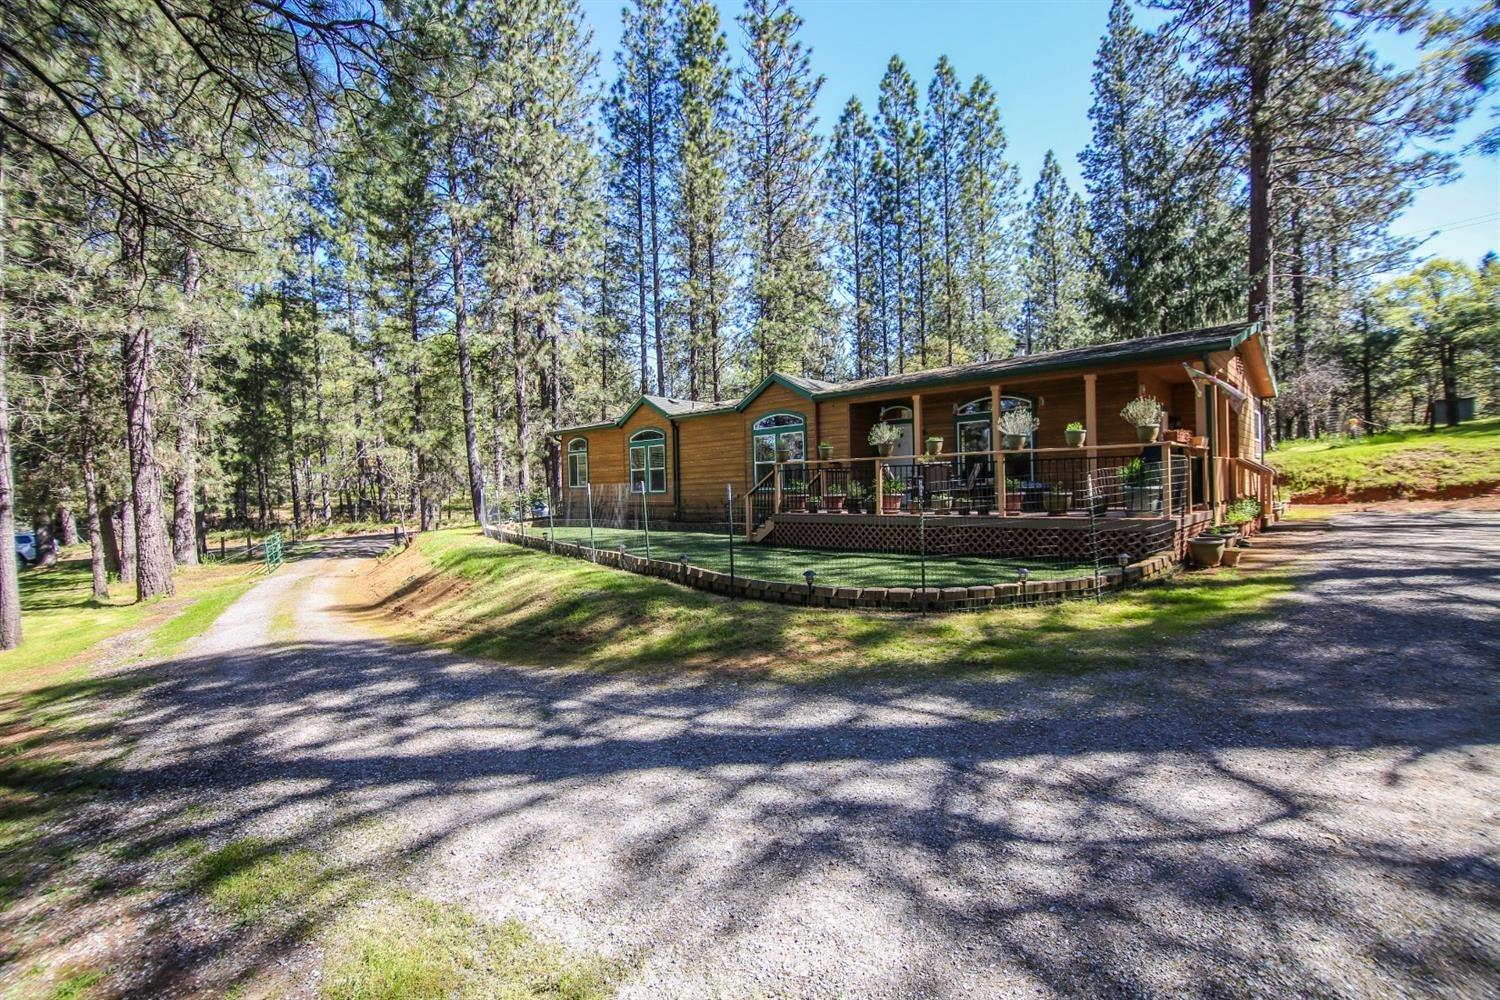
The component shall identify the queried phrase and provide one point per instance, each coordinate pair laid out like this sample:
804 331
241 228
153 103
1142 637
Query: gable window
578 463
648 462
774 432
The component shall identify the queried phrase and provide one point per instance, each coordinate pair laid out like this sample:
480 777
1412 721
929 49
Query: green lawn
1408 461
835 567
516 605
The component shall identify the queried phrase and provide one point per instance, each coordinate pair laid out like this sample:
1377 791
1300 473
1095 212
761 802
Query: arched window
648 462
899 417
972 424
578 463
895 414
777 432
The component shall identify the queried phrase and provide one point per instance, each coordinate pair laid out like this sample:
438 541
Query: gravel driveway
1304 806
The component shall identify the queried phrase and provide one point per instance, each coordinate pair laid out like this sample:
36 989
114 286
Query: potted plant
1142 496
835 499
883 438
1015 427
940 500
857 499
1013 496
1059 500
814 502
1207 549
934 445
794 496
890 497
1145 413
1232 551
825 450
1076 434
783 452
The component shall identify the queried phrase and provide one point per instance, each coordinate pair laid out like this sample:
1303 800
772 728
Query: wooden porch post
776 485
997 457
1091 411
916 425
879 488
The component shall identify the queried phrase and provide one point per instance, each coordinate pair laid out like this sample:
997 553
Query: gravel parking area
1304 806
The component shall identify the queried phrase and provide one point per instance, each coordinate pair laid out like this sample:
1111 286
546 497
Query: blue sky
1039 57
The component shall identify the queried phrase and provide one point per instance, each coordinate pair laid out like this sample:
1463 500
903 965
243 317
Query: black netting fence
925 525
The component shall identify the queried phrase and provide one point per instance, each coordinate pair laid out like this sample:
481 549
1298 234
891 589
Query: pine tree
781 198
945 120
1054 314
851 195
988 196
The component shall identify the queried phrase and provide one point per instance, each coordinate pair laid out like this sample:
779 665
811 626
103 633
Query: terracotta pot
1231 556
1013 502
1147 433
1200 441
835 503
1207 550
796 503
1076 438
891 504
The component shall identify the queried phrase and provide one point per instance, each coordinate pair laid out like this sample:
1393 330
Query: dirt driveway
1306 806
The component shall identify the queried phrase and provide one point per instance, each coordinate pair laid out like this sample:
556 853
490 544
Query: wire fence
938 525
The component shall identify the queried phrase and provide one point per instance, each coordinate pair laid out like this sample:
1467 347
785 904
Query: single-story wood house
682 454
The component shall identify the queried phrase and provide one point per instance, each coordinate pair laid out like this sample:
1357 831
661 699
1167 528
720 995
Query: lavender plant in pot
883 438
1016 427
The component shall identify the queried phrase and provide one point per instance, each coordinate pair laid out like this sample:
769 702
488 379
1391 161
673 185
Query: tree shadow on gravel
1299 807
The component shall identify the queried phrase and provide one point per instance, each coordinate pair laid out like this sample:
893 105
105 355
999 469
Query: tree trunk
497 430
153 553
1259 66
97 561
67 525
465 371
185 486
129 550
523 471
110 537
10 578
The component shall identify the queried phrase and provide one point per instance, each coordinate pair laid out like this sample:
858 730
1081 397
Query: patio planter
1076 438
1012 442
825 451
1059 501
1207 549
1013 503
891 503
796 503
835 503
934 445
885 450
869 505
1143 499
783 455
945 503
1146 433
1231 556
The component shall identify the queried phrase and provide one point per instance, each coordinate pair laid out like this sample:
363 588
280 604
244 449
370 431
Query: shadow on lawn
1211 827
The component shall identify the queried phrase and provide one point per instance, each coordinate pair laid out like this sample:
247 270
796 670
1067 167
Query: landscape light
1124 558
1024 574
809 576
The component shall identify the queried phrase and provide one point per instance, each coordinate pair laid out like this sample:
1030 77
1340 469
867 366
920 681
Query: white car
26 548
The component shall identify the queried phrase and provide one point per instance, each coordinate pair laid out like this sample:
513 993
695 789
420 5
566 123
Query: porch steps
762 531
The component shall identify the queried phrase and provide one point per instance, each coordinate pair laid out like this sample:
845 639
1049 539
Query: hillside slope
1448 462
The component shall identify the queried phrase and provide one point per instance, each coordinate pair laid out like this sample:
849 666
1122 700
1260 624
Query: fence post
729 509
551 523
1093 502
646 520
588 498
1167 478
922 551
879 488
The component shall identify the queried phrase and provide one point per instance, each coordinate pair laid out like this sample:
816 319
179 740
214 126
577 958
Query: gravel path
1305 805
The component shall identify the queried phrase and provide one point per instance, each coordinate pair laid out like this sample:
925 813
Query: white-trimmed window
578 463
648 462
773 433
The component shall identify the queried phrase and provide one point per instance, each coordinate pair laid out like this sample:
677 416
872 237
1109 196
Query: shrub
1018 423
1076 425
884 433
1142 411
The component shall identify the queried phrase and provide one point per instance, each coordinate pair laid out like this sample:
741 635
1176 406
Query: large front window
578 463
776 434
648 462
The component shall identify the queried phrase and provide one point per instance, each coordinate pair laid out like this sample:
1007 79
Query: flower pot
835 503
783 455
890 503
1013 503
1146 433
814 505
1012 442
1142 499
934 445
825 451
796 503
885 450
1200 441
1231 556
869 505
1059 501
943 504
1207 550
1076 438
